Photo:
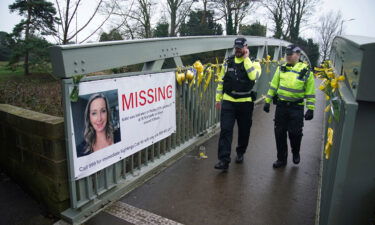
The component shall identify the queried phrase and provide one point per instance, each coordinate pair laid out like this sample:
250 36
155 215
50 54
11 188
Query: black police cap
240 42
292 49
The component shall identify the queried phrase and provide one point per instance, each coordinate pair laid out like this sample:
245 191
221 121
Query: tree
276 13
142 15
113 35
328 28
233 12
135 17
161 29
195 26
255 29
121 11
310 48
298 12
5 51
241 10
178 10
38 55
67 11
289 16
39 17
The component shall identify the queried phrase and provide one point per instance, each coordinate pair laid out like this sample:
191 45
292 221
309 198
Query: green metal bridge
168 183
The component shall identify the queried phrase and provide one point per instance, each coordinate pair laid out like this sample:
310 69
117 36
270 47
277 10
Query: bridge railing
197 119
347 187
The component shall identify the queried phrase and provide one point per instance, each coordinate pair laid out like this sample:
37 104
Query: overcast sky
362 11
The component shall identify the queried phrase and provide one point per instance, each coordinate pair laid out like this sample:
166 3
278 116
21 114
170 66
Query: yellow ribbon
329 143
209 75
267 61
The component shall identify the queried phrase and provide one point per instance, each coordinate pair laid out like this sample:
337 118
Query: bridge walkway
192 192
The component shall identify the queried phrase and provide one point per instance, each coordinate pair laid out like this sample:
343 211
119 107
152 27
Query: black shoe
296 158
222 166
278 164
239 158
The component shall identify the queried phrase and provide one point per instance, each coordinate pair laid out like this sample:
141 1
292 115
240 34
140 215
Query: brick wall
32 152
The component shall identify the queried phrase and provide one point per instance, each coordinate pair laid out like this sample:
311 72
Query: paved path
253 193
17 207
191 192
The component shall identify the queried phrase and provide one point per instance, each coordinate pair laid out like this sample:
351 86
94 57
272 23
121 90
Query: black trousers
241 112
288 120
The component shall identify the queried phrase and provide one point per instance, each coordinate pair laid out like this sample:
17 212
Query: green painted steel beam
70 60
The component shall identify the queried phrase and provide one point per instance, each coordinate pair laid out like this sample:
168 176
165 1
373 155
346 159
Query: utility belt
288 103
235 94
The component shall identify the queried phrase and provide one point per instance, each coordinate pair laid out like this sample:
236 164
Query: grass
6 73
38 92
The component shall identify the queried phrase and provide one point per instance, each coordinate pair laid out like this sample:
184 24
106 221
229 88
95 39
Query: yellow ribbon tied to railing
218 70
329 143
267 61
180 76
199 67
198 74
208 76
330 81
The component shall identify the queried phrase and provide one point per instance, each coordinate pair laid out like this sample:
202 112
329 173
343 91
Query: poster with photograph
115 118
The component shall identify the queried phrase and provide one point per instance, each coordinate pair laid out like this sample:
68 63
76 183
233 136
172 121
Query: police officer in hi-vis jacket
234 96
291 88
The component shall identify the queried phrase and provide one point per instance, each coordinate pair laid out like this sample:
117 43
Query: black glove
266 107
309 115
253 95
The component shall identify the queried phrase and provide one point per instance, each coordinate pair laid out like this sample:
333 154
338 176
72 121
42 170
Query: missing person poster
115 118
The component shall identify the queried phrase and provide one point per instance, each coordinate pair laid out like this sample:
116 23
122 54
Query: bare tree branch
74 12
61 18
329 27
87 23
109 15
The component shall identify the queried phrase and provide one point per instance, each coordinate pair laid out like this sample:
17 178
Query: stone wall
32 152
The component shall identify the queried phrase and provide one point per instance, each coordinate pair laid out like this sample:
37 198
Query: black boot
222 166
296 158
278 164
239 158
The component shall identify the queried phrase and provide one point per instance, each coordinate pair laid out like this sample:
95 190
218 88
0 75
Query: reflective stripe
269 96
273 88
220 82
241 93
219 92
310 103
290 98
291 90
230 69
250 69
293 71
309 96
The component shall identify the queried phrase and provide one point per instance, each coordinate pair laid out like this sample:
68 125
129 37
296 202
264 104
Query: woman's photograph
98 130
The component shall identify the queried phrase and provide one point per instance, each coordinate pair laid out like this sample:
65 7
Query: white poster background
140 126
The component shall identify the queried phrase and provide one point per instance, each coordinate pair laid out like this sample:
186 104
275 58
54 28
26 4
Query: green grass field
38 91
6 73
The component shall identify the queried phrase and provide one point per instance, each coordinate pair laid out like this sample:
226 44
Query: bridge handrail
70 60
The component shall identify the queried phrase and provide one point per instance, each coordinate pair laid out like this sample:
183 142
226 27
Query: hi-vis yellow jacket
292 85
253 70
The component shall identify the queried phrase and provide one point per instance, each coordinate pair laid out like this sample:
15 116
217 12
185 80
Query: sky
360 12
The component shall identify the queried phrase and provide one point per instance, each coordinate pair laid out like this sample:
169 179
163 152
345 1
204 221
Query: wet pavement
18 208
192 192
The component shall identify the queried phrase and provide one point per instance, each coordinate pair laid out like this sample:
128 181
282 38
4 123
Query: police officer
234 97
292 83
